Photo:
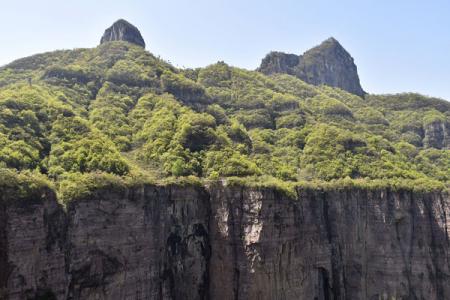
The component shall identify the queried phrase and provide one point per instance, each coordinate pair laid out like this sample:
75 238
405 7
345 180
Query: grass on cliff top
77 186
82 186
289 189
25 185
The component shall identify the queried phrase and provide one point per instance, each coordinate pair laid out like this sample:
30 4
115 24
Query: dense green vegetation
118 110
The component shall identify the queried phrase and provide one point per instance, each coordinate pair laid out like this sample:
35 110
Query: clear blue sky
398 45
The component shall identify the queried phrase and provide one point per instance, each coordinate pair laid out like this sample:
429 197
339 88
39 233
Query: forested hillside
117 109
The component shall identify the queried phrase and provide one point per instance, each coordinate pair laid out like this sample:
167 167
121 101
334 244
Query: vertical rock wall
150 243
32 259
330 245
227 243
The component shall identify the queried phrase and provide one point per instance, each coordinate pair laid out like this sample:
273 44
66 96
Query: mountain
329 64
122 176
142 115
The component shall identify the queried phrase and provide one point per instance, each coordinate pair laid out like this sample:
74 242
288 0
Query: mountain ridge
145 115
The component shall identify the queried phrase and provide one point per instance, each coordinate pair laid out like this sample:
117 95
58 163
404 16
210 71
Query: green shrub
229 163
260 118
283 102
323 105
218 113
77 186
370 115
24 185
91 153
72 74
19 155
129 73
433 116
290 121
218 75
183 88
196 131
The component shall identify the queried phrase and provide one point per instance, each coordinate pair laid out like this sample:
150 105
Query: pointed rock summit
329 64
122 30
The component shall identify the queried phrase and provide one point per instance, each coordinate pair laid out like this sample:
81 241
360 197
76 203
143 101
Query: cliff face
329 64
228 243
335 245
33 248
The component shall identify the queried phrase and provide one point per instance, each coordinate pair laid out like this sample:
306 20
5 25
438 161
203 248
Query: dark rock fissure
337 271
445 220
4 262
406 257
434 251
324 285
237 235
365 258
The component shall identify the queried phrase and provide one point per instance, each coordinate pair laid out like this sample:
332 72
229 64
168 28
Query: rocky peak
329 64
278 62
331 41
122 30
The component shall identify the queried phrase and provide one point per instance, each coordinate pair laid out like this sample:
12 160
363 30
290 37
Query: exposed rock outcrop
121 30
352 244
279 62
329 64
437 135
228 243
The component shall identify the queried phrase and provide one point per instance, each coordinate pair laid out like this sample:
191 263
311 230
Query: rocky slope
329 64
437 134
225 242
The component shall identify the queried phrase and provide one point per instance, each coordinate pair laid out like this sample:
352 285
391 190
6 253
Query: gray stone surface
34 245
121 30
329 64
437 135
228 243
